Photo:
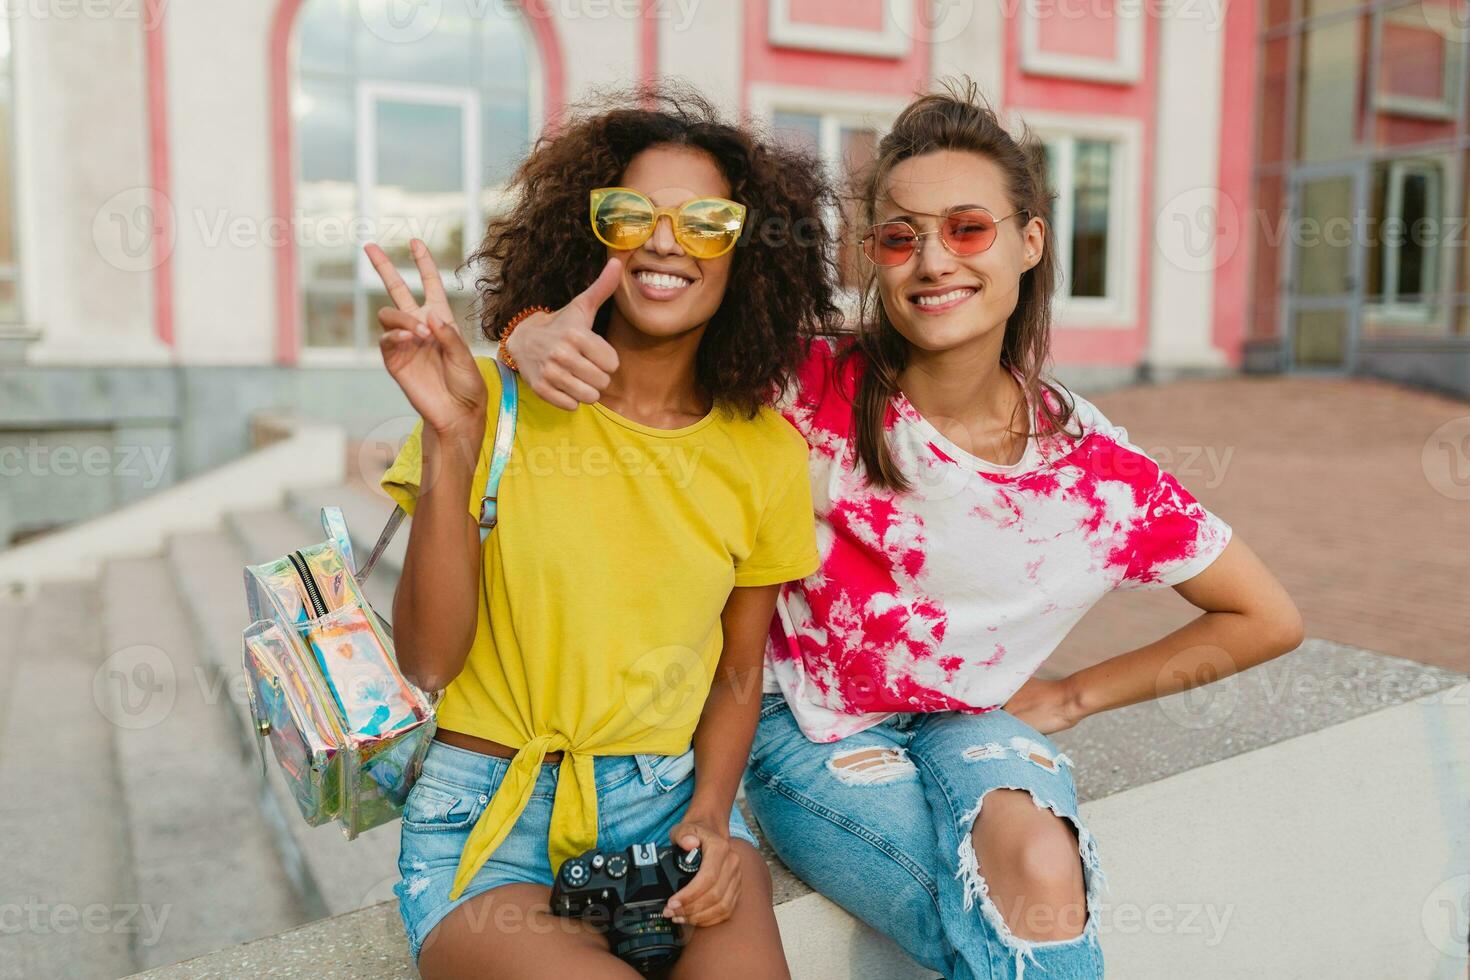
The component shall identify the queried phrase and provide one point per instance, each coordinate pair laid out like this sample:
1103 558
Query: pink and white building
185 184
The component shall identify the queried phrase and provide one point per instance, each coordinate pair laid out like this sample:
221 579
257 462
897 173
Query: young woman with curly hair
601 650
969 512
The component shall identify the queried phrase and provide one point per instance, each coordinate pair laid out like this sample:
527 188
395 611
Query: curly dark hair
542 251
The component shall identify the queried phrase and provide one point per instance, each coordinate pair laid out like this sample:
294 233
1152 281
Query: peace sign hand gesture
424 351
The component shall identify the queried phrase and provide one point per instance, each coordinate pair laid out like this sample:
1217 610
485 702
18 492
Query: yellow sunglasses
706 227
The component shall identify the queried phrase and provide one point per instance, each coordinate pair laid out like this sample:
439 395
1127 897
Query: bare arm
434 605
721 747
1248 619
434 608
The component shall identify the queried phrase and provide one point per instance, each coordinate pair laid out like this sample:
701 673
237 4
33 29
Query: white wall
599 45
82 155
702 44
1191 62
220 142
969 38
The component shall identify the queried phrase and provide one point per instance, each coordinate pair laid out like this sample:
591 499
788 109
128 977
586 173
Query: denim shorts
888 838
639 800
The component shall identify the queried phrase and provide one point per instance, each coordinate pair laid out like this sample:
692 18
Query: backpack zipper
299 562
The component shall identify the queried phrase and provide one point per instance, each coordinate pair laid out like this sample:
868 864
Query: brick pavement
1324 479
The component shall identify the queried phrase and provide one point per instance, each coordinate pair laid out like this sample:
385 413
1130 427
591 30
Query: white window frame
1391 309
1411 105
895 40
497 195
1119 307
365 279
835 110
1126 68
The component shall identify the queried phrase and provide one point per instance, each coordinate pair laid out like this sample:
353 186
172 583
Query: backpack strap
505 433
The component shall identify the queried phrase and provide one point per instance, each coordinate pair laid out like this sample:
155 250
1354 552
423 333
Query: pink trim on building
283 176
648 70
283 155
158 167
1237 158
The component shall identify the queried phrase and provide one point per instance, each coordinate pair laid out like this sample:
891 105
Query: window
847 145
1404 251
1418 63
9 258
1082 171
1098 42
877 28
400 136
1089 225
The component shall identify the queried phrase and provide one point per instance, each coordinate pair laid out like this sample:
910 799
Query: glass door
1324 277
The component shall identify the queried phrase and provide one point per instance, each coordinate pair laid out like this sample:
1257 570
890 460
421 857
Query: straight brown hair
957 118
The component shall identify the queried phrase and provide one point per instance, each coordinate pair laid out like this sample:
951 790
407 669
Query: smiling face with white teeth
937 300
665 291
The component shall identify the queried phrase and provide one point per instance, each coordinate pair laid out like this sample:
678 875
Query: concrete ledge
1268 793
312 455
1342 853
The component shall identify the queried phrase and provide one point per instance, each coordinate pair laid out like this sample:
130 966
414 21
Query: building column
1188 248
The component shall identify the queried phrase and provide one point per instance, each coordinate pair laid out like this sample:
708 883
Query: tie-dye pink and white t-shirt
951 596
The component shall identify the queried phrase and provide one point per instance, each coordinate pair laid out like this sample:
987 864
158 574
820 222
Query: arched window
409 119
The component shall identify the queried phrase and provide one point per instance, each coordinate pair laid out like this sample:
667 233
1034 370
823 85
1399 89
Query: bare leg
510 932
1030 860
746 946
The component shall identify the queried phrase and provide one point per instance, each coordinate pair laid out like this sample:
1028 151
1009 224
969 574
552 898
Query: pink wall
1237 158
158 167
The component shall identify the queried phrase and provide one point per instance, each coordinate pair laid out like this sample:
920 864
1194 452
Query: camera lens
646 942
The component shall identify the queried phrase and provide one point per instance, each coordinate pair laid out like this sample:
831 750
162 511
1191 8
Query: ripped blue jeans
880 824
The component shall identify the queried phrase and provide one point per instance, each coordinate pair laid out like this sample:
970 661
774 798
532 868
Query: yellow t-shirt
602 585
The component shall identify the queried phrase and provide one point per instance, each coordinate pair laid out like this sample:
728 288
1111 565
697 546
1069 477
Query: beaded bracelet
515 321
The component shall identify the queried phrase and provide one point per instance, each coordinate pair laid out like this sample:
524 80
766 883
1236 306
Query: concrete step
332 874
206 569
200 847
66 882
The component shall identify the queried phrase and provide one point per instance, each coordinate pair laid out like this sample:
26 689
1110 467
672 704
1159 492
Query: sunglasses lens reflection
705 228
964 233
891 243
968 232
623 220
708 228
